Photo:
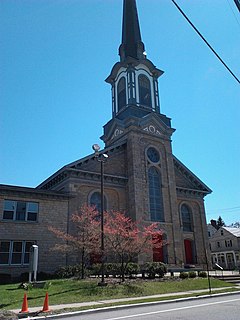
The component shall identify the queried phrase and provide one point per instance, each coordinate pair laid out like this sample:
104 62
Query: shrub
68 271
192 274
155 268
202 274
95 269
183 275
132 269
113 269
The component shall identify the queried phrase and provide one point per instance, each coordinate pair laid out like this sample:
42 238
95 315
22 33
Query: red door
188 251
158 252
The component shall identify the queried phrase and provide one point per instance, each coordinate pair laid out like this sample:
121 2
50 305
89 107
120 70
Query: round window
153 155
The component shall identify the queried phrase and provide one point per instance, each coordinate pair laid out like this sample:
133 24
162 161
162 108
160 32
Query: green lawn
70 291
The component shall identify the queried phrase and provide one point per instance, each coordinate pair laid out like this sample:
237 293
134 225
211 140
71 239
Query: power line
198 32
233 13
232 209
237 2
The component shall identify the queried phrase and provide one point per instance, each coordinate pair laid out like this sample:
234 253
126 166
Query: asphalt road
220 308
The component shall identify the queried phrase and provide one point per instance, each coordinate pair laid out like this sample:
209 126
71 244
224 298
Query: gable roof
64 172
234 231
187 180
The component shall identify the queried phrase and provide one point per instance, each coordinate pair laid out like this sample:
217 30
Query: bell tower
134 79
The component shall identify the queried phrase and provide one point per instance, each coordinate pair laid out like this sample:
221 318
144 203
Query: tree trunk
83 264
122 269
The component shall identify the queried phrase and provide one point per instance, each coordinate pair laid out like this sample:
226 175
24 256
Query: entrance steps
234 278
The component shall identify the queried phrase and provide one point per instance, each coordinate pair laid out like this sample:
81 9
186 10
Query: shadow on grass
89 292
13 289
3 305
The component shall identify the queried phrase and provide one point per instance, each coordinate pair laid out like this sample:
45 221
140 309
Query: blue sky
55 55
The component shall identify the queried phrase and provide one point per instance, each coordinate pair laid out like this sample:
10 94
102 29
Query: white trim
10 252
141 70
122 74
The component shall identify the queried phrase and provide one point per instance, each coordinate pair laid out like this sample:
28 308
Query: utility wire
198 32
234 12
237 2
227 209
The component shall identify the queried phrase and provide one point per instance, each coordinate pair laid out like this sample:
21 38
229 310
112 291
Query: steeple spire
132 45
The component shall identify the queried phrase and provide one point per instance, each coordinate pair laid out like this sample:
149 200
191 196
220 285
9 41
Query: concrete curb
176 300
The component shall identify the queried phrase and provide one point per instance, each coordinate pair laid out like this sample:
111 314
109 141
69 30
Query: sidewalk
112 301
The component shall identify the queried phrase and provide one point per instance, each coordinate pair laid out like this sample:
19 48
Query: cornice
191 192
191 177
95 176
25 191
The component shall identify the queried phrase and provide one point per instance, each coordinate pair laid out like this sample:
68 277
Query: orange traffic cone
24 304
45 305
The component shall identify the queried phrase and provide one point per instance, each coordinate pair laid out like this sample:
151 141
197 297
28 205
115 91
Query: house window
20 210
222 233
155 195
15 252
121 93
228 243
186 218
218 244
95 200
144 91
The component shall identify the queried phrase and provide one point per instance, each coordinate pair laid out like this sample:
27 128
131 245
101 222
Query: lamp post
102 160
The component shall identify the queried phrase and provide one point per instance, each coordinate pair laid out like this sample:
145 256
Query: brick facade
53 211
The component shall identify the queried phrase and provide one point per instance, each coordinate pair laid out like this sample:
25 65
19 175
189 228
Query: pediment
113 130
153 125
186 179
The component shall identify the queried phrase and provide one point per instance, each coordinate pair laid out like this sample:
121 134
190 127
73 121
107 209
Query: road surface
220 308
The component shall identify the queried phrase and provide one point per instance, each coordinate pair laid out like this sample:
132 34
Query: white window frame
11 252
27 211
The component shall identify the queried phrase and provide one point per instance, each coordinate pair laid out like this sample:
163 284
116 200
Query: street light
102 160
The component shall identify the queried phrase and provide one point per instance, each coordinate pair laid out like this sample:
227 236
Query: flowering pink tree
125 239
85 237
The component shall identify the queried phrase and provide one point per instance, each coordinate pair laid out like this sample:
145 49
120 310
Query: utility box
33 263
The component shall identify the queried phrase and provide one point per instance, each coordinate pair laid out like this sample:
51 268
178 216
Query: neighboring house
212 228
141 176
225 248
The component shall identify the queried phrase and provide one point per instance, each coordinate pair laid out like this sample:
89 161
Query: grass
131 302
72 291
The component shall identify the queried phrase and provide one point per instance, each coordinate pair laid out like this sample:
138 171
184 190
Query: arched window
186 218
155 195
121 93
95 200
144 91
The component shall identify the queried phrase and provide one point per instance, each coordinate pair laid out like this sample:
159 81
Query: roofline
208 190
13 188
75 163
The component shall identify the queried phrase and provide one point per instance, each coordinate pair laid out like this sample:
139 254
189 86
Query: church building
142 177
